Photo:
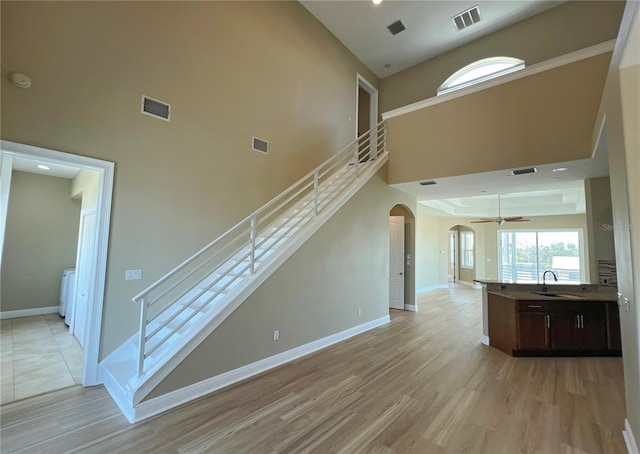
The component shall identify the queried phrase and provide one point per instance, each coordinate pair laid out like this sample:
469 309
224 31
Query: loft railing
205 278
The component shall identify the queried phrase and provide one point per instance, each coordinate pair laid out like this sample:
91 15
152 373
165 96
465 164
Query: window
480 71
466 249
526 255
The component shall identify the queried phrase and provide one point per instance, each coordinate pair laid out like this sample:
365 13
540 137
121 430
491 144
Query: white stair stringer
119 371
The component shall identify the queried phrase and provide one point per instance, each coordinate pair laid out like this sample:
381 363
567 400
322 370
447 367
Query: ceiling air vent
427 183
396 27
524 171
155 108
466 18
260 145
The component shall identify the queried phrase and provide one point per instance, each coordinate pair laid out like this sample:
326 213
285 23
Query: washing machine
67 293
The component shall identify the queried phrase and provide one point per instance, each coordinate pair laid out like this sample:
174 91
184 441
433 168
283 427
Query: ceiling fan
500 220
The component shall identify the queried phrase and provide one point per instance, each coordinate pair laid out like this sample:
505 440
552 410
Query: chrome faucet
545 287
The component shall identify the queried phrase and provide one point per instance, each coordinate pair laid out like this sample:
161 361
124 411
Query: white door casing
396 262
85 269
453 256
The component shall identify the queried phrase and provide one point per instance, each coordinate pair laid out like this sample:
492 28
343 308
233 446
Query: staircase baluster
315 193
143 335
253 244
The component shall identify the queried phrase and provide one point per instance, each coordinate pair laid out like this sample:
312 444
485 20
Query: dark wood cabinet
569 328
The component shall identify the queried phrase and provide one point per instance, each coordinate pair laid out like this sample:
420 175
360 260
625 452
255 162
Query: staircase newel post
315 193
143 335
253 244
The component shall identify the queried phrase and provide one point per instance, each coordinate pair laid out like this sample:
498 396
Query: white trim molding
29 312
556 62
411 307
106 171
485 340
431 287
156 405
629 438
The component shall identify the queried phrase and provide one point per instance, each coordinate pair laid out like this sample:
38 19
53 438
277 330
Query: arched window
480 71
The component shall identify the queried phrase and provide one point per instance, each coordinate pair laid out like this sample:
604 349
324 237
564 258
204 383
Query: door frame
453 239
367 86
105 169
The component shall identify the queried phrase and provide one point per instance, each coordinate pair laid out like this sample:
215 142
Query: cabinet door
532 331
592 334
563 331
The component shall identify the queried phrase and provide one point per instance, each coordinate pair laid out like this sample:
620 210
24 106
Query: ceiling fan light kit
500 220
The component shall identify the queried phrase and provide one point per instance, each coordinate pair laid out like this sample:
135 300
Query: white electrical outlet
626 305
276 335
359 311
132 275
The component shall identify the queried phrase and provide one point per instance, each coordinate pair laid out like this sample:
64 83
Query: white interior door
396 262
84 273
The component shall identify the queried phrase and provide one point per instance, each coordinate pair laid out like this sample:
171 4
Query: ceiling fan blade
483 220
513 218
517 220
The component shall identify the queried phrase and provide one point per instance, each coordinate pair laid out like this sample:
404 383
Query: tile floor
38 355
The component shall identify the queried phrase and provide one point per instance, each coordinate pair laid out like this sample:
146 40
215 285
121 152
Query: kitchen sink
558 295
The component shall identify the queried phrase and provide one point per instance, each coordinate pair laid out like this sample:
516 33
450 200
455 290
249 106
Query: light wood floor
422 384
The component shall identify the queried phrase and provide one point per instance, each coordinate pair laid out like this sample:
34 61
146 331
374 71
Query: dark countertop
563 295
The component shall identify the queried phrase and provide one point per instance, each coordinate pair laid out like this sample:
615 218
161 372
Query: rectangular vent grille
155 108
427 183
524 171
260 145
466 18
396 27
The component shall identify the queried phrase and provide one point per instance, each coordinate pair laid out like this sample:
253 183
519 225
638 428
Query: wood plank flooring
422 384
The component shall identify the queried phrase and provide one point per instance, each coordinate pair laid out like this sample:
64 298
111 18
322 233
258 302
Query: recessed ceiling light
377 2
561 169
43 167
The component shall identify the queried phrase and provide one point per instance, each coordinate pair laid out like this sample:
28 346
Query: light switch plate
132 275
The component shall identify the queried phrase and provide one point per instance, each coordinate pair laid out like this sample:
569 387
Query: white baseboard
485 340
411 307
629 438
432 287
29 312
151 407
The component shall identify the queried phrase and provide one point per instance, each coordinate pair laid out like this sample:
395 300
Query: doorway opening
366 113
402 259
461 253
92 228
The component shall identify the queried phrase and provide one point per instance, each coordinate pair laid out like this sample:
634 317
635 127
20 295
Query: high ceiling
362 27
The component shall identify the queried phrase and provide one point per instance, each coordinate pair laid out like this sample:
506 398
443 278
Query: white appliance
67 293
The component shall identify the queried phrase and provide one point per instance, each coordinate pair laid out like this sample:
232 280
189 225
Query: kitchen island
562 320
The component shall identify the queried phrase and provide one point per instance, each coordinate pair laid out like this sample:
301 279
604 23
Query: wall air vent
524 171
156 108
260 145
466 18
396 27
427 183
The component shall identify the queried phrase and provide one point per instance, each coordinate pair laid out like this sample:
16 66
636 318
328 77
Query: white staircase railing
206 278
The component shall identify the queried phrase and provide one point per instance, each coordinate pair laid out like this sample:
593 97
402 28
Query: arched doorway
402 258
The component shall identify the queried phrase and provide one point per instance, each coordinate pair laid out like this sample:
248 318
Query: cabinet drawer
532 306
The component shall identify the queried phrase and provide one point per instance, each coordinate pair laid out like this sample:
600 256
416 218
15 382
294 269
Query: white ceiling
362 27
55 170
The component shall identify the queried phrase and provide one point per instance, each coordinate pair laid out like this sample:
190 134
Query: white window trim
464 250
450 85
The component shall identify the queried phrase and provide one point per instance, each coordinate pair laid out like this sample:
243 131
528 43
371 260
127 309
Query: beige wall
40 241
316 293
85 186
623 116
599 223
230 70
558 31
433 240
544 118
